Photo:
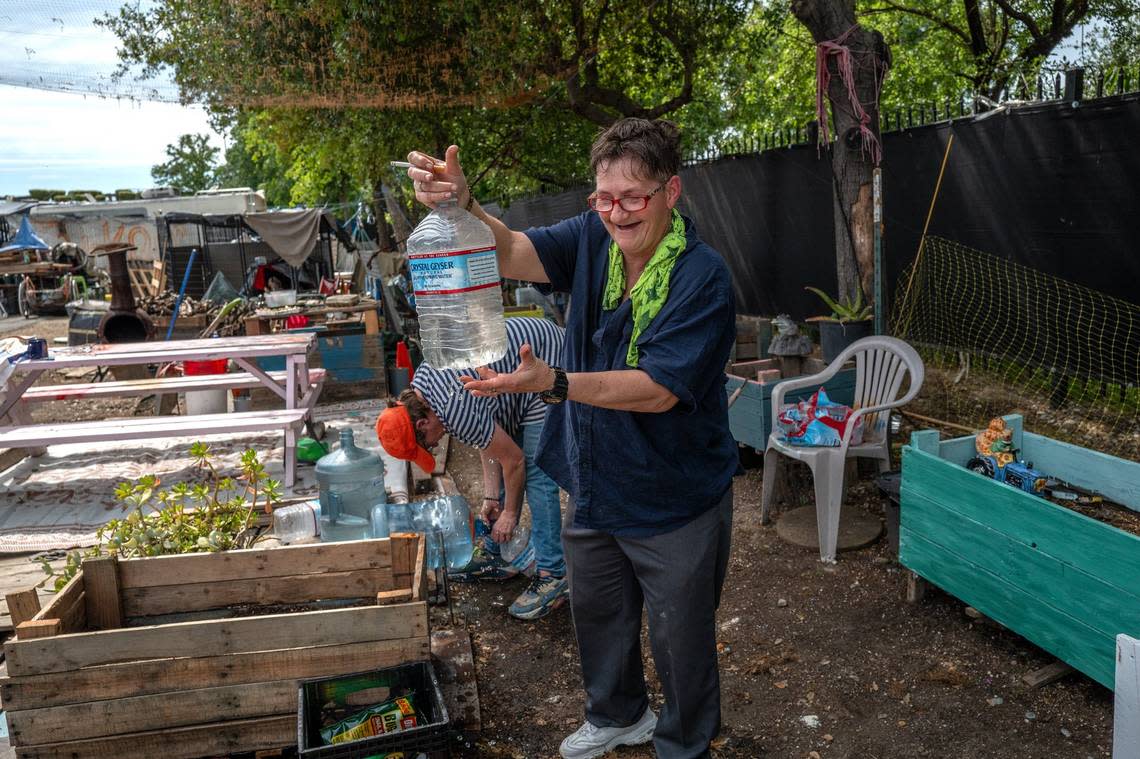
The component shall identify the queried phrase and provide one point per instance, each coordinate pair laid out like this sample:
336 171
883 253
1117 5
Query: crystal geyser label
457 271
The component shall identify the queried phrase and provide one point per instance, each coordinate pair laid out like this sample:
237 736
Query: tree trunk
401 229
852 151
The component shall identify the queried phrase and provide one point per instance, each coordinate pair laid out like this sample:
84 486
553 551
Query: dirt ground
816 661
798 639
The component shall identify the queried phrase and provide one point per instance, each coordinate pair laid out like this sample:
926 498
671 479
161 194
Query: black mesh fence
1049 186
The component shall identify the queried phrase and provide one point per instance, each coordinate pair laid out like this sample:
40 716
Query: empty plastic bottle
446 521
380 520
400 518
297 522
451 257
519 550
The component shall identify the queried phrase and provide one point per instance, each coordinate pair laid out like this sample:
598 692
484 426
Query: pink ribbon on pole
845 68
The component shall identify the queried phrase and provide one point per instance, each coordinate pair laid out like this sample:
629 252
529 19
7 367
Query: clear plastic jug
297 522
446 523
451 257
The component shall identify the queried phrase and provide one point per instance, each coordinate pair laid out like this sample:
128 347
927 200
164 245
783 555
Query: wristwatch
556 394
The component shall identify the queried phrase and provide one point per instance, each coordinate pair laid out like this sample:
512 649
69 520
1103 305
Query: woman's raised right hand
435 180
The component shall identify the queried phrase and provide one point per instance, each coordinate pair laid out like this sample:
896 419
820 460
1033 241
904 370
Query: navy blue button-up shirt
637 474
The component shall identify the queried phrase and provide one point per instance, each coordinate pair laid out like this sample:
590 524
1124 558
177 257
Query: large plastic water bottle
400 517
451 256
446 522
351 479
380 521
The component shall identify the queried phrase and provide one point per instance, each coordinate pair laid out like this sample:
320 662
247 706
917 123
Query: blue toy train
1018 474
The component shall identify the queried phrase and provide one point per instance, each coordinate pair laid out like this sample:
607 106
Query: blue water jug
351 481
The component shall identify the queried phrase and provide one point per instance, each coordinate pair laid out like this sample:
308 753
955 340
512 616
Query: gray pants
678 577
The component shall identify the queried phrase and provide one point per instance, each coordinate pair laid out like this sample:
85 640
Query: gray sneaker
590 741
542 596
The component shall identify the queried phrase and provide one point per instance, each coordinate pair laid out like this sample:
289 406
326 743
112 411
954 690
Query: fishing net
999 337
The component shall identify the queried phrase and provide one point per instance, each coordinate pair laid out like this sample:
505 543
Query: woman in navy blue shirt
637 431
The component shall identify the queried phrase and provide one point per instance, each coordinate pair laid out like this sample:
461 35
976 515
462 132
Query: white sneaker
590 741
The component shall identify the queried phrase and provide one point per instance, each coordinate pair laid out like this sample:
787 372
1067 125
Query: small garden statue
996 440
788 340
789 346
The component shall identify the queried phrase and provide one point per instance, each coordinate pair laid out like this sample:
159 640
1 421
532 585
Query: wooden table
363 313
294 386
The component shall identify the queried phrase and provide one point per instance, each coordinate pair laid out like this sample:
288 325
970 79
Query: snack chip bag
818 421
388 717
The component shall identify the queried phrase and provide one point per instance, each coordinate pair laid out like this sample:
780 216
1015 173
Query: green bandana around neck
652 288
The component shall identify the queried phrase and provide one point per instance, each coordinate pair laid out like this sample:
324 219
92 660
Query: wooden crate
753 335
750 415
1066 582
84 681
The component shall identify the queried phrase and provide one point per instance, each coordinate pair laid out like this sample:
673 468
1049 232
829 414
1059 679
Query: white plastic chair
881 365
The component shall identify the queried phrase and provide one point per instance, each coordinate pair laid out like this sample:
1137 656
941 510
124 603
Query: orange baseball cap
398 436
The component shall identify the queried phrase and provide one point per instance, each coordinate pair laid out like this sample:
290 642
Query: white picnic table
297 386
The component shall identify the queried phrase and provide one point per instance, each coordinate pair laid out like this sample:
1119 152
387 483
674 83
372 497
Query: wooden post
915 588
1126 732
371 322
38 628
791 366
101 591
419 574
22 605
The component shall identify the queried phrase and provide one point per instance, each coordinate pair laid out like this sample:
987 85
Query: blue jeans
545 508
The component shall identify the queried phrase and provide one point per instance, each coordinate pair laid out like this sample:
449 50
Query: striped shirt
472 420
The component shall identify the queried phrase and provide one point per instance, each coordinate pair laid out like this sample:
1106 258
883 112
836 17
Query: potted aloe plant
849 321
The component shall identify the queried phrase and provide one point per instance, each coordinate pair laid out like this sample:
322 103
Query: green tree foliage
326 93
319 95
938 52
191 164
254 163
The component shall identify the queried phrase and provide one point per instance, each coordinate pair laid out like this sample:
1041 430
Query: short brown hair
417 410
655 145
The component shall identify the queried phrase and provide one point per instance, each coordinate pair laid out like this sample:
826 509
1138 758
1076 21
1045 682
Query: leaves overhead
318 95
430 53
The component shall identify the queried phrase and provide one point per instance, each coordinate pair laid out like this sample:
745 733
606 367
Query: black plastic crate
432 736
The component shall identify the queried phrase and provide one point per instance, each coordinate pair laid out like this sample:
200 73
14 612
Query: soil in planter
1120 517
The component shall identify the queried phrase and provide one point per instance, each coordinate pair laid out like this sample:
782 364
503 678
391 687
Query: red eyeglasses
629 203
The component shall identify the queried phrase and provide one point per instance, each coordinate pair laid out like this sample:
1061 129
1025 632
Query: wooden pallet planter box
1066 582
750 415
84 681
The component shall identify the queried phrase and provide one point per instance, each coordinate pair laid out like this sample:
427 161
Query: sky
65 141
77 140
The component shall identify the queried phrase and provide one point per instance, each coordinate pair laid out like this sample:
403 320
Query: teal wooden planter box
750 415
1066 582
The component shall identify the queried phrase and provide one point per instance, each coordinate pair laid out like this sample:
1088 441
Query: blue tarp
25 239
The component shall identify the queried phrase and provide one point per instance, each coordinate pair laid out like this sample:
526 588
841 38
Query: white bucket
205 402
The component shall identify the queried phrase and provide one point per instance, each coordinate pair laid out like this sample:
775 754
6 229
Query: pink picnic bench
158 386
298 386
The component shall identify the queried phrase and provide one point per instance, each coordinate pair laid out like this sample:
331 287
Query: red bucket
199 368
